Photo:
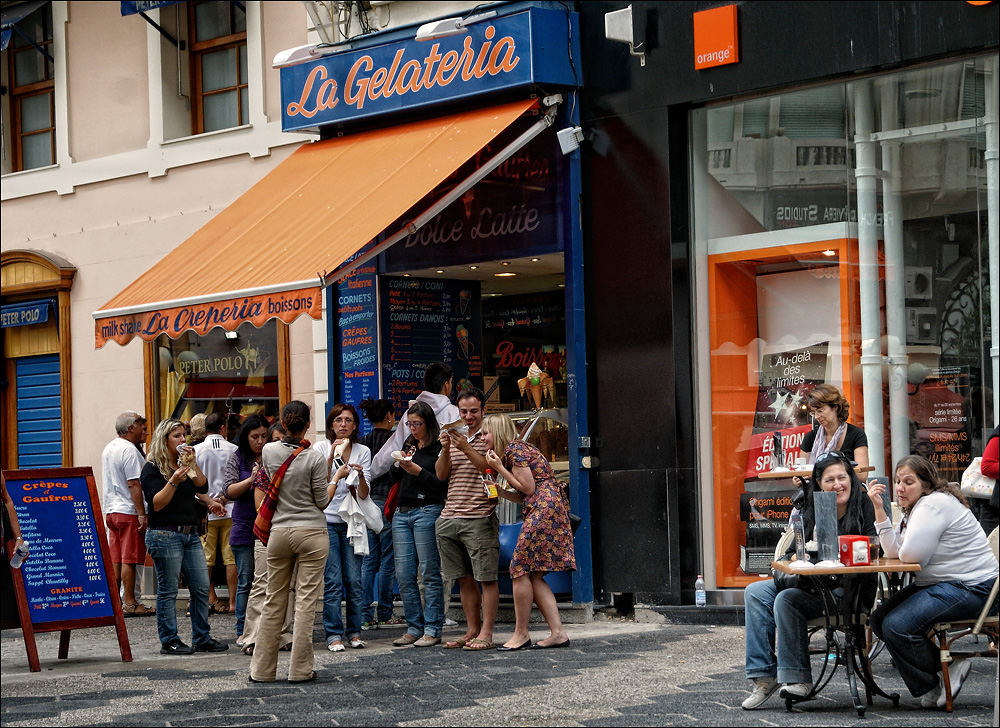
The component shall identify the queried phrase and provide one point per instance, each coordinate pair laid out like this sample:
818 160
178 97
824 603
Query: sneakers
930 699
335 646
937 698
356 642
427 641
406 639
211 645
763 688
795 691
369 624
392 622
176 647
449 622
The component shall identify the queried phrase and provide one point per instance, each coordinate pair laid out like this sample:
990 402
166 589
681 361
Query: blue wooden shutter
39 412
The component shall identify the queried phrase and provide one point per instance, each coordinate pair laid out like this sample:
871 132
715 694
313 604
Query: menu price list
64 575
425 321
357 321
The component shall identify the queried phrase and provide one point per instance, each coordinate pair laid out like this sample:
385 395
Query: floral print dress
546 541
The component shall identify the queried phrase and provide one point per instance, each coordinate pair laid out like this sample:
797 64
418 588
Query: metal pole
871 348
892 221
993 225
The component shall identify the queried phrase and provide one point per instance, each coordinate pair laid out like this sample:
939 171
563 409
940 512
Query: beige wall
284 26
108 82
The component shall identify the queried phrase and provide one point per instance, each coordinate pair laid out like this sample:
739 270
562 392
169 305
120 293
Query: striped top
466 496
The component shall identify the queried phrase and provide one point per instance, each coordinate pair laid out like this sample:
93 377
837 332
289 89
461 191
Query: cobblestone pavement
615 673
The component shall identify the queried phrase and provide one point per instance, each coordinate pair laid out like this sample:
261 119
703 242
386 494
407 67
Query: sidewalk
615 673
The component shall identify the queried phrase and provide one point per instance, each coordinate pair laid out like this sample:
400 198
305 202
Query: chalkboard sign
423 321
67 581
357 320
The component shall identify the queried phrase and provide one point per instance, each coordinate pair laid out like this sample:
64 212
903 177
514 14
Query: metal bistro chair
945 634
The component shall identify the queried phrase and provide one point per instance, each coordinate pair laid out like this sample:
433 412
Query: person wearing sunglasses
779 613
957 571
833 432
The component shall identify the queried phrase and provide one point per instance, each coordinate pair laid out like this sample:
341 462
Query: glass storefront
843 234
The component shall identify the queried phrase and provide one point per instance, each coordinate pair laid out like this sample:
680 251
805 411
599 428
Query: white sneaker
448 622
930 699
336 646
763 688
960 671
795 691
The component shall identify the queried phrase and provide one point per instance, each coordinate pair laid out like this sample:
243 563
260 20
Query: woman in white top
343 454
939 532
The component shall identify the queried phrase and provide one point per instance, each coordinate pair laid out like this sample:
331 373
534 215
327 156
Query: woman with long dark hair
957 570
782 616
171 480
238 477
297 537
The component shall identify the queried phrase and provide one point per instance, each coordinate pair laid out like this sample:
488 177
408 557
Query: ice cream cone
536 394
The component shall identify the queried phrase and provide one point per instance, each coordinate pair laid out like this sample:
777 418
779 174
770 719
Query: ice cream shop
433 220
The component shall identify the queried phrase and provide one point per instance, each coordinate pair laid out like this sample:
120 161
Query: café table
807 473
845 612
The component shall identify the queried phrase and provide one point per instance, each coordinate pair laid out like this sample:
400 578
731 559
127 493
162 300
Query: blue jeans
904 629
414 541
785 614
244 576
343 569
380 560
174 554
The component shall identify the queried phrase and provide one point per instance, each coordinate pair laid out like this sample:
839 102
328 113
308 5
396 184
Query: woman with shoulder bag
781 614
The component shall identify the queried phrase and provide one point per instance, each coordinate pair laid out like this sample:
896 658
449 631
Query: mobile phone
338 463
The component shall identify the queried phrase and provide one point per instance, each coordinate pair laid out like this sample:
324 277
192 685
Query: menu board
424 321
357 321
64 575
940 408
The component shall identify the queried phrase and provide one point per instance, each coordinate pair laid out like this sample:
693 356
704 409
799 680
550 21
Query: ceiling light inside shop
504 275
829 253
440 270
506 262
535 260
473 267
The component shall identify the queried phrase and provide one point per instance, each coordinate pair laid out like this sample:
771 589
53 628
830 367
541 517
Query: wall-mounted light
618 26
450 26
302 54
569 139
504 275
231 335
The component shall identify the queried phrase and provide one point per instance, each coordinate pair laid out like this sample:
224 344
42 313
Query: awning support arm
179 44
16 28
547 120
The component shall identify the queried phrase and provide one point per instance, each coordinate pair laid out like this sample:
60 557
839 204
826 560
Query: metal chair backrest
994 539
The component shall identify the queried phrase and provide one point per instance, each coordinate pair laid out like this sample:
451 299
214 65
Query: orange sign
715 41
203 317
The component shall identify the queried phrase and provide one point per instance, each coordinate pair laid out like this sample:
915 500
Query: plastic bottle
699 592
490 486
20 554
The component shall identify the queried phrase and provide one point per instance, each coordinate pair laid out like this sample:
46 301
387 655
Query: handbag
974 483
371 512
391 501
262 524
784 581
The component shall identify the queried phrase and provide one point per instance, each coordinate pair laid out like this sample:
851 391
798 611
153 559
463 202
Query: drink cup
873 548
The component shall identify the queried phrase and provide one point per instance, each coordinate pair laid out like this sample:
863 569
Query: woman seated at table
782 613
957 569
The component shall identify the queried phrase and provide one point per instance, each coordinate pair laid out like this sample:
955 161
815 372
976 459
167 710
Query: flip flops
476 644
454 644
137 610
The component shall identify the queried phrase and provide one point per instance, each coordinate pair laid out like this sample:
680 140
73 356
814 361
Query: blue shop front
460 239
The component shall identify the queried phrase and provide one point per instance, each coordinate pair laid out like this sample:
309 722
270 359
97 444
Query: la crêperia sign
518 50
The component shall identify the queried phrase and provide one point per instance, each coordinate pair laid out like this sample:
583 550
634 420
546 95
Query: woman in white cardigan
939 532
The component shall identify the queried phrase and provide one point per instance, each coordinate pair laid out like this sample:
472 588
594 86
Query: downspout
993 224
871 350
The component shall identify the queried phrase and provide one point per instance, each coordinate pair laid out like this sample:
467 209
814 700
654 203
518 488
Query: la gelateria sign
518 50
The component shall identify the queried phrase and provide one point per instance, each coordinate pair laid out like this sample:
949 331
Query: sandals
215 608
477 644
454 644
137 609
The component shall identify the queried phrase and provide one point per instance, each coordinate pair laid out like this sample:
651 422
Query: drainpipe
871 350
993 223
892 227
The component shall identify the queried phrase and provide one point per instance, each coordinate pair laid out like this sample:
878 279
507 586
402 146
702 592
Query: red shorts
127 546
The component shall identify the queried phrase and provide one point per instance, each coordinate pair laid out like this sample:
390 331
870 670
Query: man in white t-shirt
212 455
124 507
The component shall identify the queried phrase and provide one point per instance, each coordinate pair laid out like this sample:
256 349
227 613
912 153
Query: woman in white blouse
939 532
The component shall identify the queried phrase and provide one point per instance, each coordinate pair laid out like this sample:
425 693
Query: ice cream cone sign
539 383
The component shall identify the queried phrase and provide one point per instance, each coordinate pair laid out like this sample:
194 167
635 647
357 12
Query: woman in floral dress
546 541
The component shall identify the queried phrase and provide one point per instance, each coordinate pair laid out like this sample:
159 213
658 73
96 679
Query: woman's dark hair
275 427
927 473
376 410
295 417
827 394
854 516
335 411
424 412
251 423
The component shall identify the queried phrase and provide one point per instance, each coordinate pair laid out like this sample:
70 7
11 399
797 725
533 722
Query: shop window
238 372
30 135
205 79
787 235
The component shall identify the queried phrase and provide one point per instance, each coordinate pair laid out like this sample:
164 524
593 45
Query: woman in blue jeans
957 570
783 615
424 472
237 481
344 455
170 482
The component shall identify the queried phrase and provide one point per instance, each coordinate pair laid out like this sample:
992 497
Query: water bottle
800 538
699 592
20 554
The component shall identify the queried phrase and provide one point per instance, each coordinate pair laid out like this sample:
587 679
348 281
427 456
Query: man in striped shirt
468 529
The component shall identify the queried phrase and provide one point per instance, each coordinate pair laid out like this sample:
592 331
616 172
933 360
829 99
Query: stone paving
616 673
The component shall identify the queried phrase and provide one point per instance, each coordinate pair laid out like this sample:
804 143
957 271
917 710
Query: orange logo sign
715 41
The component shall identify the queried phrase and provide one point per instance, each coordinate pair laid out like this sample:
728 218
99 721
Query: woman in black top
422 490
170 483
380 558
833 433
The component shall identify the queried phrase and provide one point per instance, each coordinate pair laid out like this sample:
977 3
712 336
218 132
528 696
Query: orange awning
263 256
